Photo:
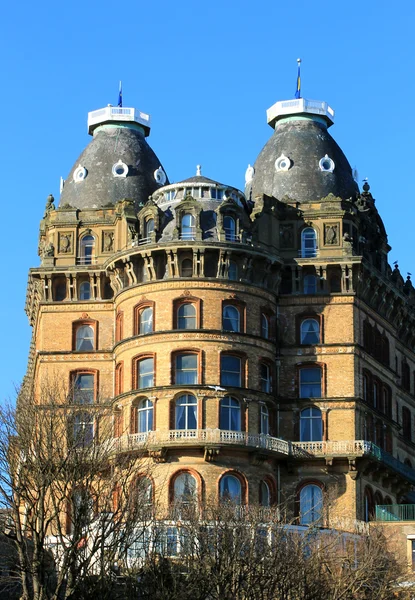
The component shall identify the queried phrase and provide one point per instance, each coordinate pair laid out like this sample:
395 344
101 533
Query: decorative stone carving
331 234
49 205
65 243
286 236
49 250
108 241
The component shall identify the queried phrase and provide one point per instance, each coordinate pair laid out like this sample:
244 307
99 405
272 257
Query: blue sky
206 72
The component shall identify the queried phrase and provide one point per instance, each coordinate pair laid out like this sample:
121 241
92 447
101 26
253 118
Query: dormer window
229 225
326 164
120 169
87 249
148 228
216 194
188 229
308 243
79 174
283 163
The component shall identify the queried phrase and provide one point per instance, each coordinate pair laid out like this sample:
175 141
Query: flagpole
298 90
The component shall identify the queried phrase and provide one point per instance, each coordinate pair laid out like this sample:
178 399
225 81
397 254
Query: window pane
310 332
146 373
310 284
186 316
83 429
265 494
231 371
230 414
311 504
310 383
85 291
84 389
231 318
185 488
230 489
265 378
146 320
145 416
85 338
229 227
311 425
264 420
186 412
264 326
186 369
233 271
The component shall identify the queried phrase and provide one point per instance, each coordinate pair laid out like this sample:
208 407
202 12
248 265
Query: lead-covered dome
301 161
118 163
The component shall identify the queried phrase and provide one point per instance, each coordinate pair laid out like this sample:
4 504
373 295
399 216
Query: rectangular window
310 383
186 369
406 422
230 371
83 392
145 373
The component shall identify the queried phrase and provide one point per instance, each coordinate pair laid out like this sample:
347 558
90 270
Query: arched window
230 489
230 370
229 226
83 388
145 373
186 369
310 382
264 326
310 331
310 284
266 381
308 243
230 414
83 428
188 227
311 504
142 496
232 271
119 326
186 412
186 268
82 510
119 378
145 320
85 291
264 420
145 412
87 249
84 338
311 425
231 318
264 494
368 506
184 491
186 316
148 228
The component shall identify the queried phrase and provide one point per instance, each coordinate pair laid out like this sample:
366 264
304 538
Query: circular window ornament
79 174
326 164
120 169
283 163
160 176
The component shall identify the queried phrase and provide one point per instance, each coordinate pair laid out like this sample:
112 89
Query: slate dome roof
305 142
99 187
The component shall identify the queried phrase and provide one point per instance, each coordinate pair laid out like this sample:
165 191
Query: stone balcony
352 450
210 439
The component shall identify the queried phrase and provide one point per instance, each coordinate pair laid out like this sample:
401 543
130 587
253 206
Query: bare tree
74 502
